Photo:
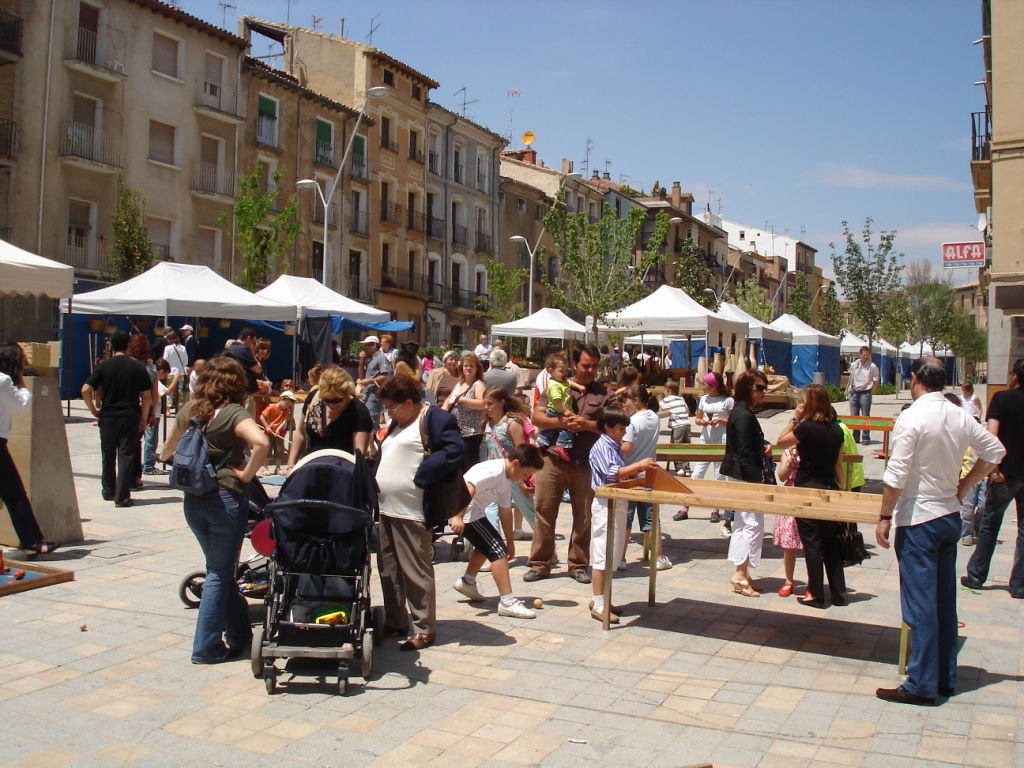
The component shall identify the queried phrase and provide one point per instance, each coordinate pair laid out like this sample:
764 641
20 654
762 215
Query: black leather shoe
1018 595
581 576
970 583
947 692
125 503
108 497
837 599
902 696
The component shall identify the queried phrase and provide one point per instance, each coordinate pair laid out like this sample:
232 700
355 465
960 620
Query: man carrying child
558 441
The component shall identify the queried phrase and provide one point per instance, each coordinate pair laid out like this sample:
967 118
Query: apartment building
521 212
462 223
392 190
303 134
129 89
997 172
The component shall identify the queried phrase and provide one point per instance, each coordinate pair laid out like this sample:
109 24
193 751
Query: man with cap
374 368
191 344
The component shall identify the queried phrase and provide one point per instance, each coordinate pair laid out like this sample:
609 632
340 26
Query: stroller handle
334 506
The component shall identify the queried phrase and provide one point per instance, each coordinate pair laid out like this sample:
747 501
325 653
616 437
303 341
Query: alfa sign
963 255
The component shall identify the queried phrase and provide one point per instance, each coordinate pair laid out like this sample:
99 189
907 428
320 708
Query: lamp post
377 92
533 254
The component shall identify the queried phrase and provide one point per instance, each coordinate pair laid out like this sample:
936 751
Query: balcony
481 182
317 273
460 235
391 212
360 167
435 227
213 101
474 300
358 223
87 257
417 221
360 288
483 243
10 36
438 294
6 233
8 139
981 135
324 154
318 214
434 163
460 173
404 280
388 144
981 159
266 131
83 145
416 155
268 188
210 180
95 54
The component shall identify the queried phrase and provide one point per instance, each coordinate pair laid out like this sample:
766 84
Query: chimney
607 175
530 156
596 176
677 194
566 165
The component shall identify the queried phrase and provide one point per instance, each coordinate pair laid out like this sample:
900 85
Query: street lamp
533 253
377 92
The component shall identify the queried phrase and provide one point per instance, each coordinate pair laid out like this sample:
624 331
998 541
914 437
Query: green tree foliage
931 302
262 237
598 270
133 252
866 272
693 275
749 297
965 338
830 312
800 299
503 284
897 322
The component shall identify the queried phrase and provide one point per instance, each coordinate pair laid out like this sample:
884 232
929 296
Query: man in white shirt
864 377
483 351
922 485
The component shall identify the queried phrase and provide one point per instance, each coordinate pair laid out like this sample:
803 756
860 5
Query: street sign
963 255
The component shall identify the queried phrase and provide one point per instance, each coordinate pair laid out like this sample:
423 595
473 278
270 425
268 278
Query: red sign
963 255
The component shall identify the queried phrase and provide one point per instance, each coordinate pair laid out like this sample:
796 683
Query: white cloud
929 237
841 175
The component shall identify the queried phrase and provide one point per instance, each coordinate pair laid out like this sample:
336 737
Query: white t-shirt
642 432
401 454
161 388
483 351
176 357
713 406
492 487
192 379
970 405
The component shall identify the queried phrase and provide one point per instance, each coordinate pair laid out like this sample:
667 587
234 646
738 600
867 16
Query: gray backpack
192 471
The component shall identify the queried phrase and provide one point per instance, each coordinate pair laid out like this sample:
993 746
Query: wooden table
777 399
881 424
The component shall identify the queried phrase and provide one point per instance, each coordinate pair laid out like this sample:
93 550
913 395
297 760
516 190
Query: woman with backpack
218 517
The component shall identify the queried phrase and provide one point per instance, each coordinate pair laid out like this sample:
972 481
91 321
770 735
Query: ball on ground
538 603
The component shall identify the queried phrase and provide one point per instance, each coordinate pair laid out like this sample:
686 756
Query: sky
798 114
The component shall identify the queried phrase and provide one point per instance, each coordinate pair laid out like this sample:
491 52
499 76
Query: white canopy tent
814 351
850 344
25 273
671 310
547 323
313 298
758 329
923 349
180 290
775 346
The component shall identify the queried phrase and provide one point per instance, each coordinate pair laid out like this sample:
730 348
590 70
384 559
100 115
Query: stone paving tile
705 675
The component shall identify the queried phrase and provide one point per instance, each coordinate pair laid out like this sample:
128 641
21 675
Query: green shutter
268 107
359 146
323 131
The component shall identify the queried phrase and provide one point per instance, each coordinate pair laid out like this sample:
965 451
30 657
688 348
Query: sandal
786 589
744 588
43 548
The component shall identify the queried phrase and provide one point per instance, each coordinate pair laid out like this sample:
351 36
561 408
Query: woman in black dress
332 417
819 442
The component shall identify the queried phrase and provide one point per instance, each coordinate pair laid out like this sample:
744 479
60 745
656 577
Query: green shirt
220 434
850 446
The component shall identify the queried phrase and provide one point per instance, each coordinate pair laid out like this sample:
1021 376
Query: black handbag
443 499
851 545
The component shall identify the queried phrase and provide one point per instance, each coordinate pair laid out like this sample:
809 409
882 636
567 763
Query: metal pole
67 349
529 288
328 263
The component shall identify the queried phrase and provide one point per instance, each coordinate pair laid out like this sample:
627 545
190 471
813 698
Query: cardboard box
37 355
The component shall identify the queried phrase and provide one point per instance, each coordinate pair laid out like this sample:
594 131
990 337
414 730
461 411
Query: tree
867 272
965 338
598 270
751 299
693 275
133 251
830 312
931 302
503 284
262 239
800 299
897 322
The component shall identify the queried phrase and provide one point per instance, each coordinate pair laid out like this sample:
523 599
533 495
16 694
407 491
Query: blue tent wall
828 361
809 358
677 349
778 354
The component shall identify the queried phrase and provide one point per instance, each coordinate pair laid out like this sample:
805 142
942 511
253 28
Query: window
266 121
206 247
385 134
416 94
324 147
160 237
385 256
213 76
459 167
165 55
161 142
79 224
389 77
743 235
520 205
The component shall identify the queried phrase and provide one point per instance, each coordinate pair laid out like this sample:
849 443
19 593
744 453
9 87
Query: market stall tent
775 346
909 352
25 273
813 351
883 354
313 298
547 323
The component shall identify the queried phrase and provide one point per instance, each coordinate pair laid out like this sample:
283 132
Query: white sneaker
623 565
663 563
726 531
517 610
463 587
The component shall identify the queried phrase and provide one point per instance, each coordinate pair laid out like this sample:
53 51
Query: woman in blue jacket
406 467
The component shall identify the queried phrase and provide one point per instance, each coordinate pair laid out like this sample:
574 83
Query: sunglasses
331 400
761 387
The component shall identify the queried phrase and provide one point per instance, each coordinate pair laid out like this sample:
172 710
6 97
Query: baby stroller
318 602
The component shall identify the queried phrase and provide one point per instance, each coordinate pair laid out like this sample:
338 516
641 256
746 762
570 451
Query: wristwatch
884 517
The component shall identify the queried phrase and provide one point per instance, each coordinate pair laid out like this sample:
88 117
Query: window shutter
359 146
209 151
206 247
78 214
268 107
165 55
161 142
323 131
159 237
213 68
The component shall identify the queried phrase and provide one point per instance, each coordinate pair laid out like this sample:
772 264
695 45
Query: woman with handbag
466 404
406 469
819 441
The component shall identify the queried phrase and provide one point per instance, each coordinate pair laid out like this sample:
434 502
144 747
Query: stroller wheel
269 678
256 655
458 548
366 656
377 622
191 589
342 680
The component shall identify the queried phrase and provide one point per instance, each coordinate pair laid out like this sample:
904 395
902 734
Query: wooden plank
869 423
700 452
36 576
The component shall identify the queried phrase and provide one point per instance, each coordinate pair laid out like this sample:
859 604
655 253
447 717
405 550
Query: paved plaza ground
96 672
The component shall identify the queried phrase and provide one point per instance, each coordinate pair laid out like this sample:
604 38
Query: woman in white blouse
14 397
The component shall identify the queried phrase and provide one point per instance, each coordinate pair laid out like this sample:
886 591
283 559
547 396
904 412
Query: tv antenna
374 26
224 5
288 12
587 149
512 94
607 165
317 21
466 101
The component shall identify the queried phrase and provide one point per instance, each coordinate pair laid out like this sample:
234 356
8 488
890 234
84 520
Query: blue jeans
642 509
860 405
999 497
149 447
927 559
971 508
218 521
